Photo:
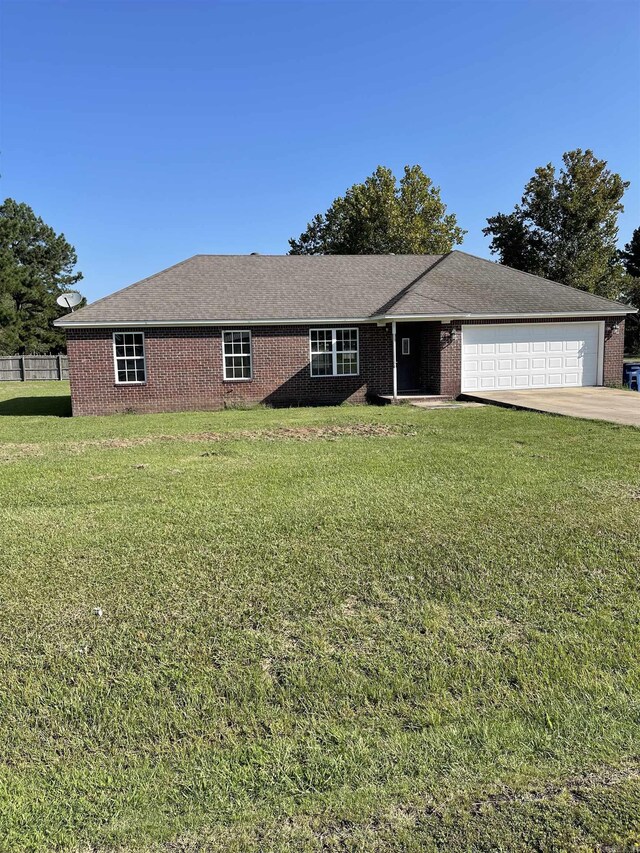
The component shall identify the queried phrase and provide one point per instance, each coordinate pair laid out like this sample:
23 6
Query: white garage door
534 355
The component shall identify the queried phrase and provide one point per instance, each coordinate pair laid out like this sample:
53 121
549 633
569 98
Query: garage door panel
544 355
487 382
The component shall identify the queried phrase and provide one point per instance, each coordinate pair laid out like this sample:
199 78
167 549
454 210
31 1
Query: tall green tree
36 266
631 255
381 216
631 294
566 225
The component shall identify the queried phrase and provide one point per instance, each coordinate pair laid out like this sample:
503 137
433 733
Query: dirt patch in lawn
14 452
458 813
314 433
278 434
573 788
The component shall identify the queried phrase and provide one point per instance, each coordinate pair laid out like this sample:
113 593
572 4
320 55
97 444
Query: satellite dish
70 299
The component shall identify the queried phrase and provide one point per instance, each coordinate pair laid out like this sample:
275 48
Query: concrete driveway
600 404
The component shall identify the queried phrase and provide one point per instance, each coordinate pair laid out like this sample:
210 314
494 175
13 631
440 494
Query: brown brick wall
613 351
450 359
184 368
184 371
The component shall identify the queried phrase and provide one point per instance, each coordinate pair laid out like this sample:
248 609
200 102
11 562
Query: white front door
531 355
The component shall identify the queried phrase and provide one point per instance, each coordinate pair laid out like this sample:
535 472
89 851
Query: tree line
564 228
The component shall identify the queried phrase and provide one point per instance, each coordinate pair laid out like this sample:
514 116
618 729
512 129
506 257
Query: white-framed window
129 358
236 354
406 346
334 352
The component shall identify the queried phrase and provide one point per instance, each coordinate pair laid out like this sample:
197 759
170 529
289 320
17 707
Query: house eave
447 318
306 321
118 324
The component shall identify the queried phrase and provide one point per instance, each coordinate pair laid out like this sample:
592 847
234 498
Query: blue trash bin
630 374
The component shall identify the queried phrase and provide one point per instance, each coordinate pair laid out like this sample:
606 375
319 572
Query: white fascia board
314 321
309 321
448 318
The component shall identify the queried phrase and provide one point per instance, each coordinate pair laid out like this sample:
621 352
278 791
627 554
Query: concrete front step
412 398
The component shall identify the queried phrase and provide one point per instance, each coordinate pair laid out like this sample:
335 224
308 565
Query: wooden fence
22 368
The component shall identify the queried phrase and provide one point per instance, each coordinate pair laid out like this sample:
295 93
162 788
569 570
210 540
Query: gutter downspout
395 360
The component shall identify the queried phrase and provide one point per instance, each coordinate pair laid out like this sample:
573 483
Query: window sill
126 384
335 376
239 379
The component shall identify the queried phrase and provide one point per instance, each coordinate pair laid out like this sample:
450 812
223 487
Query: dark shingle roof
464 284
245 288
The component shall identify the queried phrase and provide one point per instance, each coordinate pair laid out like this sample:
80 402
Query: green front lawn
349 629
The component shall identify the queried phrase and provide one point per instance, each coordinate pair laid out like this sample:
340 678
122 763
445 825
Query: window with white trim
236 354
334 352
129 358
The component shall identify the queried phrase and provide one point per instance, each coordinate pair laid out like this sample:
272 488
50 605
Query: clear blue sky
150 131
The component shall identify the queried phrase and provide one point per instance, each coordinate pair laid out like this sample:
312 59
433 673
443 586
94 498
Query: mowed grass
352 628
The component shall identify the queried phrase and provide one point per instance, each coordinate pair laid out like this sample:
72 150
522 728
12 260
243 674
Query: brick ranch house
218 330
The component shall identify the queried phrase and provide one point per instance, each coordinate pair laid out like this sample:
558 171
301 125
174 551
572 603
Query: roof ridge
431 268
541 277
317 255
388 305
